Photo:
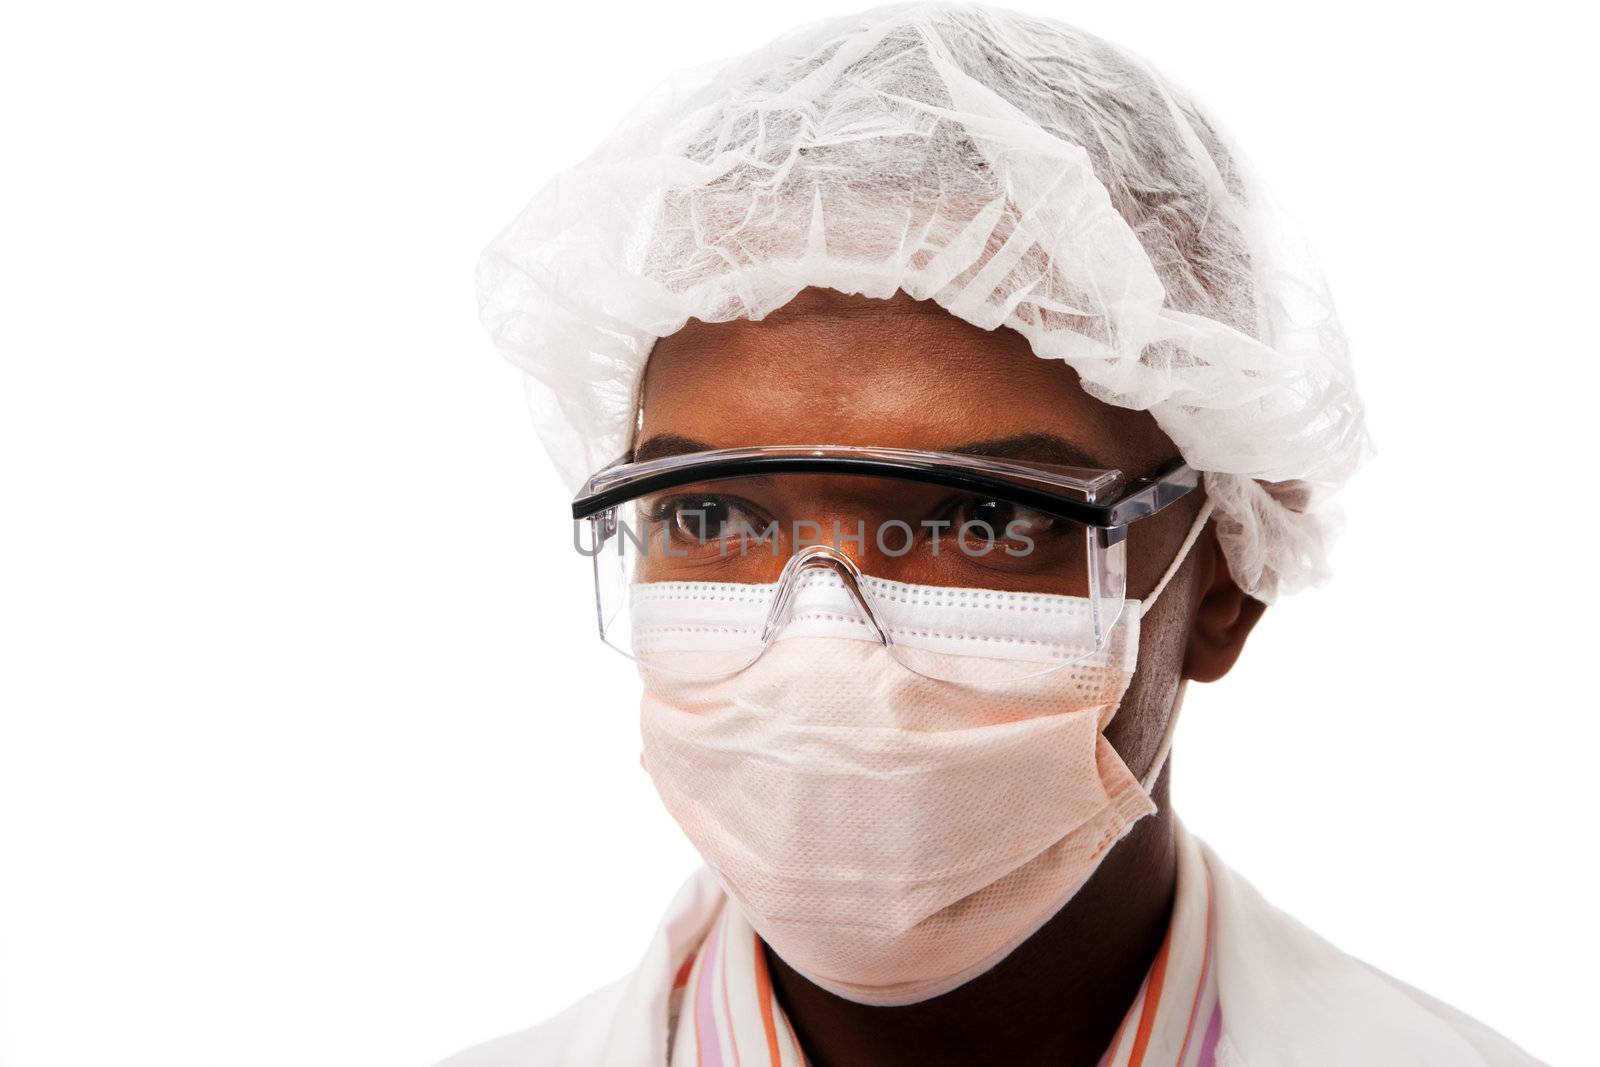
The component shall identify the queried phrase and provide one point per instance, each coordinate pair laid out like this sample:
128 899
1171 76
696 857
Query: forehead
834 368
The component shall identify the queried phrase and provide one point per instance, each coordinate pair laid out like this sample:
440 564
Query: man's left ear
1222 620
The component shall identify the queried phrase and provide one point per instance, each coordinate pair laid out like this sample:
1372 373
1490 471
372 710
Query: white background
307 755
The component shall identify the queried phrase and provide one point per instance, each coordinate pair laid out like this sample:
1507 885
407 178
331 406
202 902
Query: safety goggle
702 559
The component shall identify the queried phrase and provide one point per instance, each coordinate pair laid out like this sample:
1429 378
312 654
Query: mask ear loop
1165 748
1195 529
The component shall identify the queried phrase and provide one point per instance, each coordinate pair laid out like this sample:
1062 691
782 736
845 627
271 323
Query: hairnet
1014 170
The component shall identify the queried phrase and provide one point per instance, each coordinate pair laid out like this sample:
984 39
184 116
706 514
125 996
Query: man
941 400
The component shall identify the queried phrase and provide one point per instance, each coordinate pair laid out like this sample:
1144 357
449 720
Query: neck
1057 1000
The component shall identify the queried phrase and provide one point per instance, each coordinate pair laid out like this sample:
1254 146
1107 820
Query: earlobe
1222 620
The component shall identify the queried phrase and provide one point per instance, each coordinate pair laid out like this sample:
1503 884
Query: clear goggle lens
700 579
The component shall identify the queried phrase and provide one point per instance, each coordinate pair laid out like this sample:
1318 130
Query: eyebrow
1036 448
661 445
1032 447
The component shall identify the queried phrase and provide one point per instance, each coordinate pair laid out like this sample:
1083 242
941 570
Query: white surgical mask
891 836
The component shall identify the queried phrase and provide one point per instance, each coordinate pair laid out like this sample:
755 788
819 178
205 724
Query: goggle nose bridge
819 557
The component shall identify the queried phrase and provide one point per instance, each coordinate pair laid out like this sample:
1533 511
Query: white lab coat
1289 999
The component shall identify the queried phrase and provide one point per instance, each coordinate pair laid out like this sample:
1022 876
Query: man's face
830 368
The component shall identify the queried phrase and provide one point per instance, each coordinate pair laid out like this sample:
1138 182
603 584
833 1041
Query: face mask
891 836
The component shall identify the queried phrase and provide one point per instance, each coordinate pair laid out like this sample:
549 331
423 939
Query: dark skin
832 368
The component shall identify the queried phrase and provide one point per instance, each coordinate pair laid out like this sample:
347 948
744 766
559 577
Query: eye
704 518
994 522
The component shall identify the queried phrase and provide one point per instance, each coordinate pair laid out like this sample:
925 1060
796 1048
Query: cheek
1142 718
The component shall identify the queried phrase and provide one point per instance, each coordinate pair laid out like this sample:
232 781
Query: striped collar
1176 1020
722 1011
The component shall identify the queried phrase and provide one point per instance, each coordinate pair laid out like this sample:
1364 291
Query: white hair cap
1014 170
